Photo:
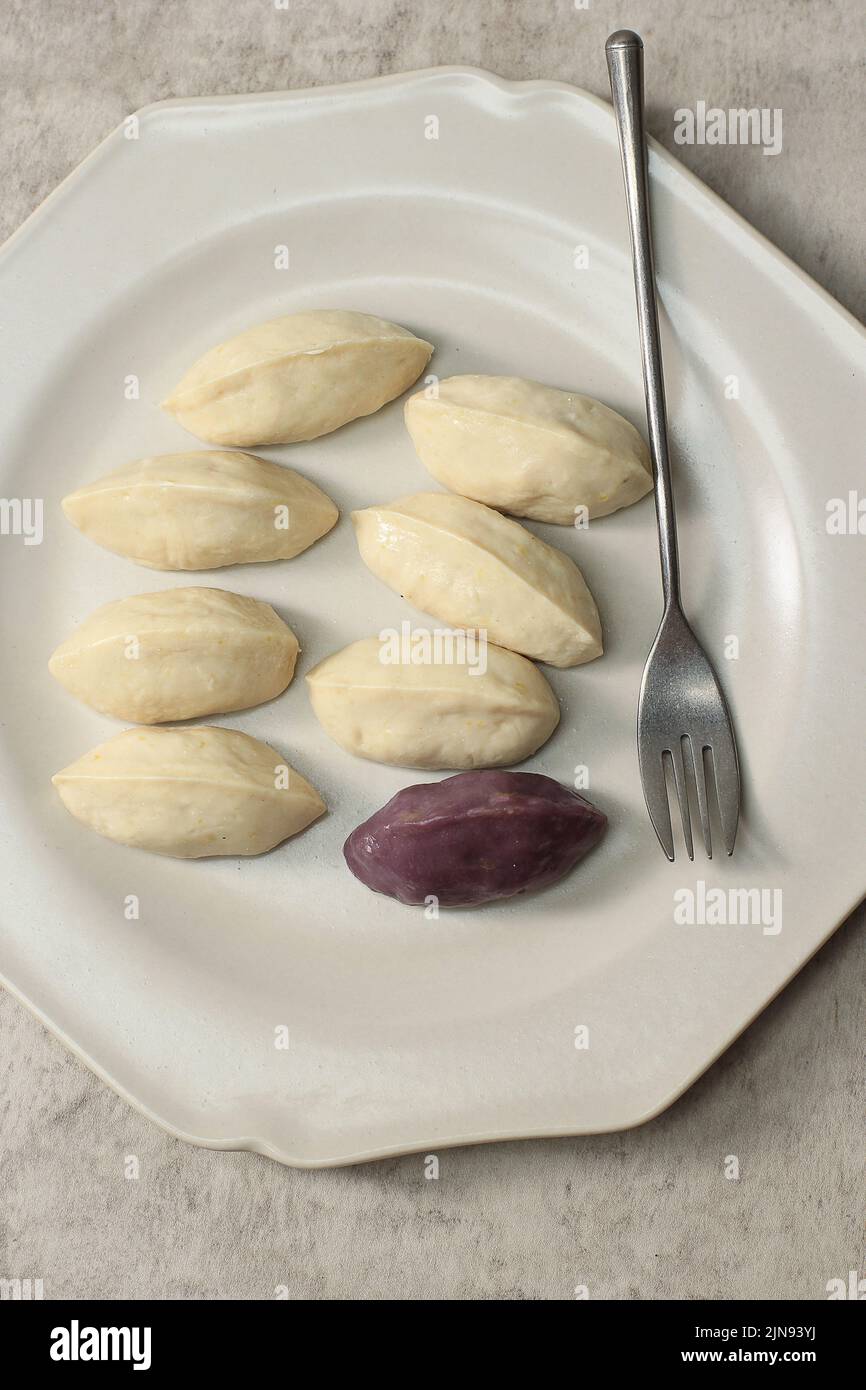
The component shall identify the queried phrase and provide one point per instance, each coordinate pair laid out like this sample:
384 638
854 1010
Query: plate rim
263 1147
509 87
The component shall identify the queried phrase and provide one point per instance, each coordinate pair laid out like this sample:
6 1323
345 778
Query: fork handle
624 51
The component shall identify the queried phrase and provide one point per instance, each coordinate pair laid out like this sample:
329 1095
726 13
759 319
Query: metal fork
683 720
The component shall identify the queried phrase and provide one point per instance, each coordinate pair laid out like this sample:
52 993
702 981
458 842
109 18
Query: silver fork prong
726 774
675 753
655 792
697 751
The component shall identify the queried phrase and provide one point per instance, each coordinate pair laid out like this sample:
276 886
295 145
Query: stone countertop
645 1214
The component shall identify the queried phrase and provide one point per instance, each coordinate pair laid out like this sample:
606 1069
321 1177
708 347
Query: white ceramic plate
406 1033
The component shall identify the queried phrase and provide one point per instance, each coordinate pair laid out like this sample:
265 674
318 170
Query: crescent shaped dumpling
296 378
471 567
178 654
202 510
528 449
188 793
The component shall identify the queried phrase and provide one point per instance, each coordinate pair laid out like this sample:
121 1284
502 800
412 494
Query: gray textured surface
648 1214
